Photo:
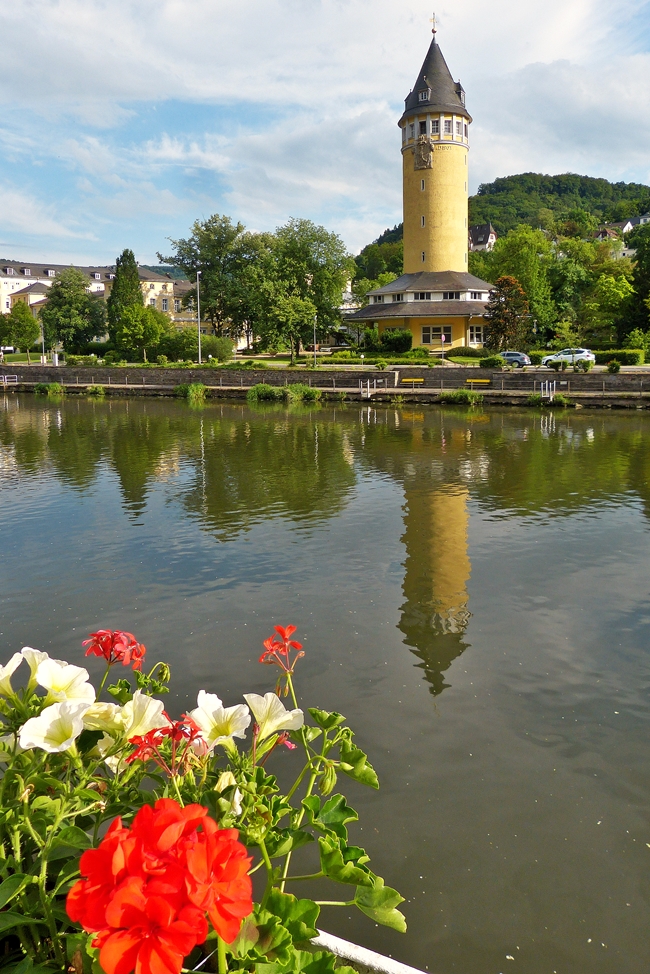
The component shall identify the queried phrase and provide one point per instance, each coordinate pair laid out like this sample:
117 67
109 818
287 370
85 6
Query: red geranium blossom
146 890
115 647
276 651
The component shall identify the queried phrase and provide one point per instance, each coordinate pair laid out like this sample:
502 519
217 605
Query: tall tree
507 318
639 240
126 291
525 254
216 248
72 316
22 327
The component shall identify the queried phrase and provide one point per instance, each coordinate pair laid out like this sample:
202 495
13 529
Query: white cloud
24 214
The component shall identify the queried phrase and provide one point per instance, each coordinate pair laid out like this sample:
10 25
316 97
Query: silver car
570 356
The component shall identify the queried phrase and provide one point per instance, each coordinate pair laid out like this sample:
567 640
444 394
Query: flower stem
334 902
221 956
101 685
269 872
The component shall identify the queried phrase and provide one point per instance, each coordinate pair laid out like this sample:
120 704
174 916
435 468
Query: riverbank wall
626 390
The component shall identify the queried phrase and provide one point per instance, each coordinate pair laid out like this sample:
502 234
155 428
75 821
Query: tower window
435 126
404 134
424 256
411 131
451 295
447 126
466 130
423 128
459 128
421 221
422 185
424 95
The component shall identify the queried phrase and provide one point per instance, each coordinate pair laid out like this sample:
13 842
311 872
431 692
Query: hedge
491 362
626 356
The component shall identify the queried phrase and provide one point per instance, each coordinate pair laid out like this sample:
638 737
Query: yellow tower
435 146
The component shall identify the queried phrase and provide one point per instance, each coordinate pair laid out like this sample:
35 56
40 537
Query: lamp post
315 319
198 311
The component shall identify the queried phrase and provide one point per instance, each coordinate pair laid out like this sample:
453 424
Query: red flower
276 651
184 734
115 647
146 890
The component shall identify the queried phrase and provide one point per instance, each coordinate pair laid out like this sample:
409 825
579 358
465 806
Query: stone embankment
413 383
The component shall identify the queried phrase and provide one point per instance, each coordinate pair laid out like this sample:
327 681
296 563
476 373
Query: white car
570 356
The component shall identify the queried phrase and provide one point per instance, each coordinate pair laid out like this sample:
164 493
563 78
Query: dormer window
9 271
97 277
111 277
451 295
477 295
378 299
422 295
50 273
424 95
27 271
398 297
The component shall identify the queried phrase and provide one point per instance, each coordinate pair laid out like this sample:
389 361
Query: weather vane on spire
433 21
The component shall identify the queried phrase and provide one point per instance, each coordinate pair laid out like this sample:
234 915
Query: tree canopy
19 327
72 316
126 291
507 318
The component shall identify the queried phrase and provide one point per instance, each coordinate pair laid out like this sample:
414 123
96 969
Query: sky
124 121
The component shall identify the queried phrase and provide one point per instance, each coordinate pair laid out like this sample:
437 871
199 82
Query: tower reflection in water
435 613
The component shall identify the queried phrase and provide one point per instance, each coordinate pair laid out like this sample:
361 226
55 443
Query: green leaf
325 719
332 816
11 887
334 864
298 916
379 902
282 841
274 940
10 920
121 691
356 765
71 837
311 733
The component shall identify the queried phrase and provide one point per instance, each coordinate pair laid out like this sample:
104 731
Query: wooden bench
412 381
480 382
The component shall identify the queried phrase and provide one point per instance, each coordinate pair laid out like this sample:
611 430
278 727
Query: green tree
126 291
525 254
219 249
637 317
606 308
72 316
22 327
140 328
507 316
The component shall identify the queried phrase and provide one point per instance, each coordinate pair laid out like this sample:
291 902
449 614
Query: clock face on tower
423 153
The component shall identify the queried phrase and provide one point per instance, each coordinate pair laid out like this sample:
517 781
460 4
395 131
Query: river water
472 590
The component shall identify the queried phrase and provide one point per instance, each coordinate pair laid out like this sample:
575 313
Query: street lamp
198 311
315 320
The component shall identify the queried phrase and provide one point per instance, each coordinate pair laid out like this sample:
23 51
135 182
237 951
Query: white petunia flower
63 681
227 780
33 657
142 714
219 724
6 672
114 762
55 729
103 717
271 714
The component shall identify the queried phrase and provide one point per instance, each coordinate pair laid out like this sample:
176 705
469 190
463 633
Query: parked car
8 349
570 356
518 359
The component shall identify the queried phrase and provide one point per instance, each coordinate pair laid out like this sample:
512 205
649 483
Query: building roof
435 281
446 95
17 268
36 288
481 233
420 309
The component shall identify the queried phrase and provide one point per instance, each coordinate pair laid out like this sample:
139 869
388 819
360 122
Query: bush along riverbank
129 837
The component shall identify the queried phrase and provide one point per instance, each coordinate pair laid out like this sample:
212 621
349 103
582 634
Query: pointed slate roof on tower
445 94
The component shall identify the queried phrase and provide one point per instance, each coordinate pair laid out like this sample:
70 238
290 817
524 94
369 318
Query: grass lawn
462 360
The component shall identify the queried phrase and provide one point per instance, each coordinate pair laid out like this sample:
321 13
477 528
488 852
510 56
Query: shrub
398 340
194 392
41 388
262 392
97 392
535 399
249 364
468 351
625 356
559 399
299 392
536 356
340 356
584 365
418 353
81 360
220 348
371 340
613 367
465 396
162 360
54 389
491 362
381 364
557 366
112 357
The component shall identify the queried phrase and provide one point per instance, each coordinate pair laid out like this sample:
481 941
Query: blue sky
124 121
